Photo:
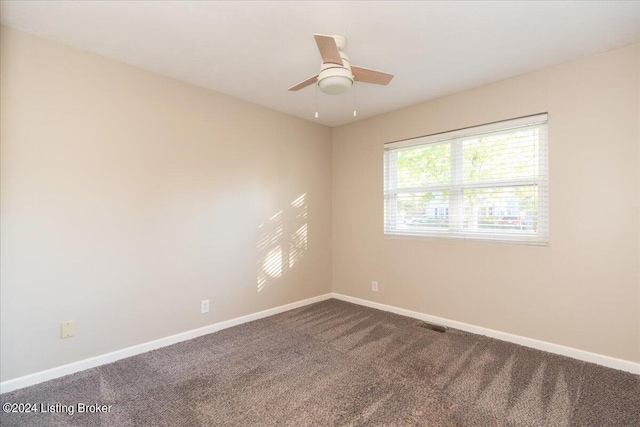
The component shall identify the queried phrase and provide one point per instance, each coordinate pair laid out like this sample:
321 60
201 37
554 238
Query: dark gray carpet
339 364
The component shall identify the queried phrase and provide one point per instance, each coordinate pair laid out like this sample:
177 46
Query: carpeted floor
338 364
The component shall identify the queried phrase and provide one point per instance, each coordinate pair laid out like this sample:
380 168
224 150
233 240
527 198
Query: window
486 182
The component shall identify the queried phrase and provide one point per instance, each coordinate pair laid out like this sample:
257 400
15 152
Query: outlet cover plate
204 306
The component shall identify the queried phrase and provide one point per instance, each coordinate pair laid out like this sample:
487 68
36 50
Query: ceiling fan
336 73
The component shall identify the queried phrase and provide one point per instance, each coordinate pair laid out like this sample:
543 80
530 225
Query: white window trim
469 131
456 187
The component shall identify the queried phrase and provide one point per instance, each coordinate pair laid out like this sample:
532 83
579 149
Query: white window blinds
486 182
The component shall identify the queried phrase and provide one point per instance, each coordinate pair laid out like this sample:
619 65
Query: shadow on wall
282 242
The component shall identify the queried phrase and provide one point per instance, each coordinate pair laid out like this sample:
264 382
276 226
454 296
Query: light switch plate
68 329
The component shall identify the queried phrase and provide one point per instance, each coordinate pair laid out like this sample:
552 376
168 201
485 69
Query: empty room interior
320 213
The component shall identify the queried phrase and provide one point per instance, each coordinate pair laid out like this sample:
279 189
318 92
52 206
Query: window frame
456 186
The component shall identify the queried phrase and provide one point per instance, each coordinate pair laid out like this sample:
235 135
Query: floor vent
433 327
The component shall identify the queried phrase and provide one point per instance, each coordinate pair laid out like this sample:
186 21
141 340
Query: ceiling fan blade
370 76
308 82
328 49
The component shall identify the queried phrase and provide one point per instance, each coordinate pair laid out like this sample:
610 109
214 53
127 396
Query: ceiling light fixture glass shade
335 85
334 79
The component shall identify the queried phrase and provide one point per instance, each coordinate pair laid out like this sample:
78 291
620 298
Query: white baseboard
81 365
610 362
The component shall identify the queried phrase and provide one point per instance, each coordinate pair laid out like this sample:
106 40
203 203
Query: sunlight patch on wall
273 263
282 242
298 241
270 250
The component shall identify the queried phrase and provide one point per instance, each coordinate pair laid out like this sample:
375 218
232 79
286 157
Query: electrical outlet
204 306
374 286
68 329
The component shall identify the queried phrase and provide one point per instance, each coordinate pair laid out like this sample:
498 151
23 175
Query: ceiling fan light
335 85
334 79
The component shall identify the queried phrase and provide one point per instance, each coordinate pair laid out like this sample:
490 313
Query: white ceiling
256 50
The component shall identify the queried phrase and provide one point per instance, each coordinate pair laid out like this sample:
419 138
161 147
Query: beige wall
583 290
128 197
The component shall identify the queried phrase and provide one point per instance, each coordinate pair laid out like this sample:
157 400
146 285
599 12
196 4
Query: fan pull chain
354 101
316 100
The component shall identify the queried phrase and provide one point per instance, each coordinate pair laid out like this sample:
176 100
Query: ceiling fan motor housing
335 79
336 75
